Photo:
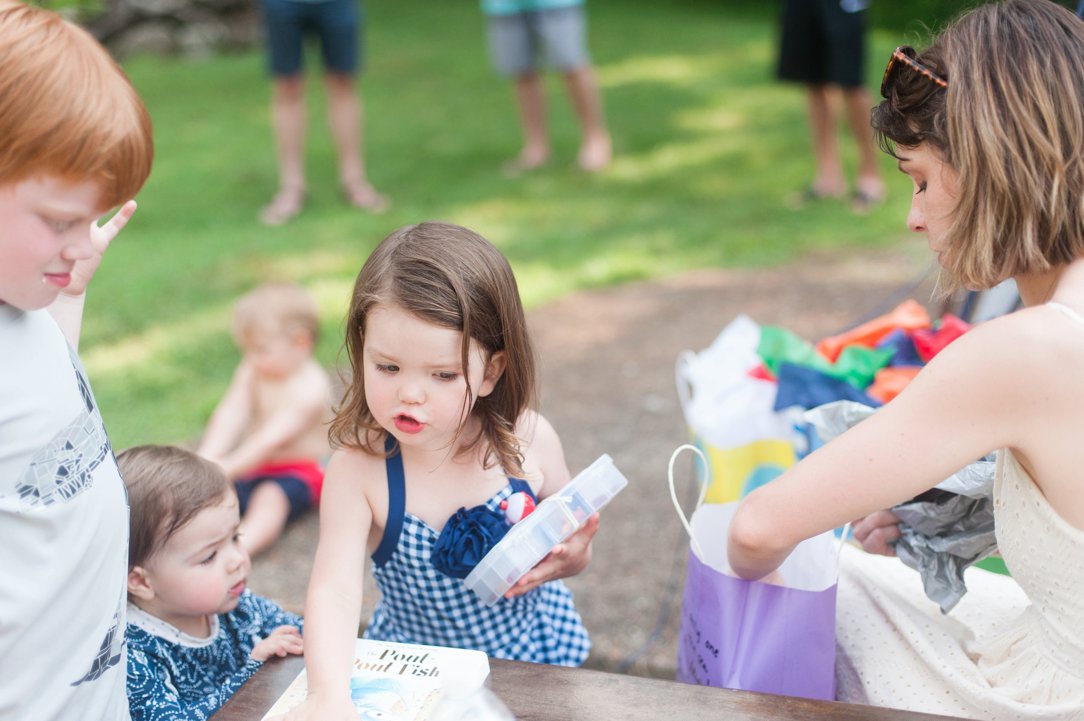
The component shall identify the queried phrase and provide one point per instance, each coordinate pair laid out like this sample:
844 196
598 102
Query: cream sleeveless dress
1013 648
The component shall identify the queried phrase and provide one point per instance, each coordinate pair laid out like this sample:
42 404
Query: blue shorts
823 42
336 22
296 490
517 41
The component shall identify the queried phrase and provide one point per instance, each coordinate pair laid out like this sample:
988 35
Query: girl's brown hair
66 108
454 278
1011 124
167 487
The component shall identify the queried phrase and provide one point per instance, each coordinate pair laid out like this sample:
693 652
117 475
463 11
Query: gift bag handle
843 539
702 482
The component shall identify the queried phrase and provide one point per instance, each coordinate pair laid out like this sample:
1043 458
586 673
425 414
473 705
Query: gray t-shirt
63 534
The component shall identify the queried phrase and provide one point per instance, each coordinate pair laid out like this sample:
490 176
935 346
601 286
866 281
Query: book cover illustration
398 681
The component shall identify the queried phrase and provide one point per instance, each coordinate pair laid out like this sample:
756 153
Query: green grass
708 145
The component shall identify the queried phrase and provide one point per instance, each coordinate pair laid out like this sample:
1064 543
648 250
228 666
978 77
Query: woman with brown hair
988 123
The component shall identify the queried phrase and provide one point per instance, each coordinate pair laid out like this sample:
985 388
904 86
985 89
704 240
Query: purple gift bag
752 635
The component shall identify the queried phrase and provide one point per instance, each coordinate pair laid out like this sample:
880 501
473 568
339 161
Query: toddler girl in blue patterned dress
436 429
195 634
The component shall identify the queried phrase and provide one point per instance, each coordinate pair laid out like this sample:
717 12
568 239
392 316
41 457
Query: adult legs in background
285 24
288 120
822 46
596 150
345 122
828 180
531 105
515 44
563 35
869 188
337 24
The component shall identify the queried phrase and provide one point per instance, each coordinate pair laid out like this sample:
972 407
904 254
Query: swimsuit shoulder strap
393 527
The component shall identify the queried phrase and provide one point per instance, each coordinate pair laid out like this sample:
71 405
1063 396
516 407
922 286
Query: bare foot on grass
529 159
595 154
363 196
286 205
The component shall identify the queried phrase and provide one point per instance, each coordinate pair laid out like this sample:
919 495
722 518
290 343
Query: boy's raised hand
100 238
282 641
566 559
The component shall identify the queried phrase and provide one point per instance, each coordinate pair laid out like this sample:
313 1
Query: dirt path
608 387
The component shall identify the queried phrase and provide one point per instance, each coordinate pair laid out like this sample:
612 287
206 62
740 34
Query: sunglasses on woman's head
904 57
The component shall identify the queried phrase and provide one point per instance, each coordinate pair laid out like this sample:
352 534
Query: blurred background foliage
899 15
708 148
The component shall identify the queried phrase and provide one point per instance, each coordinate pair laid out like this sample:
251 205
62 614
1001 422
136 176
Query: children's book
399 681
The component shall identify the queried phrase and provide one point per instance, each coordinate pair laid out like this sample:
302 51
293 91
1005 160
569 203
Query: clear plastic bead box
554 520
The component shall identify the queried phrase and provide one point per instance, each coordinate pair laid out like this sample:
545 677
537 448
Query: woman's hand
878 532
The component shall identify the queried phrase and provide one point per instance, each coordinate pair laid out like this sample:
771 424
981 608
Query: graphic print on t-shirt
62 469
109 653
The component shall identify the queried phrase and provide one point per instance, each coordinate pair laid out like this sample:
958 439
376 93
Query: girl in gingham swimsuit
436 429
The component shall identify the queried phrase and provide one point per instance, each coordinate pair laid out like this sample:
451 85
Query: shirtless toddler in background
268 431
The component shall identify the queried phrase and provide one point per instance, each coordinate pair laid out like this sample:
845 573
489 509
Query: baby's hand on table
282 641
877 532
566 559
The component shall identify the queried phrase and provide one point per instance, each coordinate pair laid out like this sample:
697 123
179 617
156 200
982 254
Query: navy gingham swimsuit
422 605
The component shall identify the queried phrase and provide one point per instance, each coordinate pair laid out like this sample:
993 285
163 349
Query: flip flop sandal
808 196
863 202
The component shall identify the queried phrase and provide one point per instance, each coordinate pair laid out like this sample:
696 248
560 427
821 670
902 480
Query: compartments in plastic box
554 520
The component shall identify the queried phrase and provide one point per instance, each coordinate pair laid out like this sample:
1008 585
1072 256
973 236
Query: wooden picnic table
535 692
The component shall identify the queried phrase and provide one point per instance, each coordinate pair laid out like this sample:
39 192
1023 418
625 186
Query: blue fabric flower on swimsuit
467 537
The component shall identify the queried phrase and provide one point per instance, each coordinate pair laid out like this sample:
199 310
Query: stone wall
176 27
